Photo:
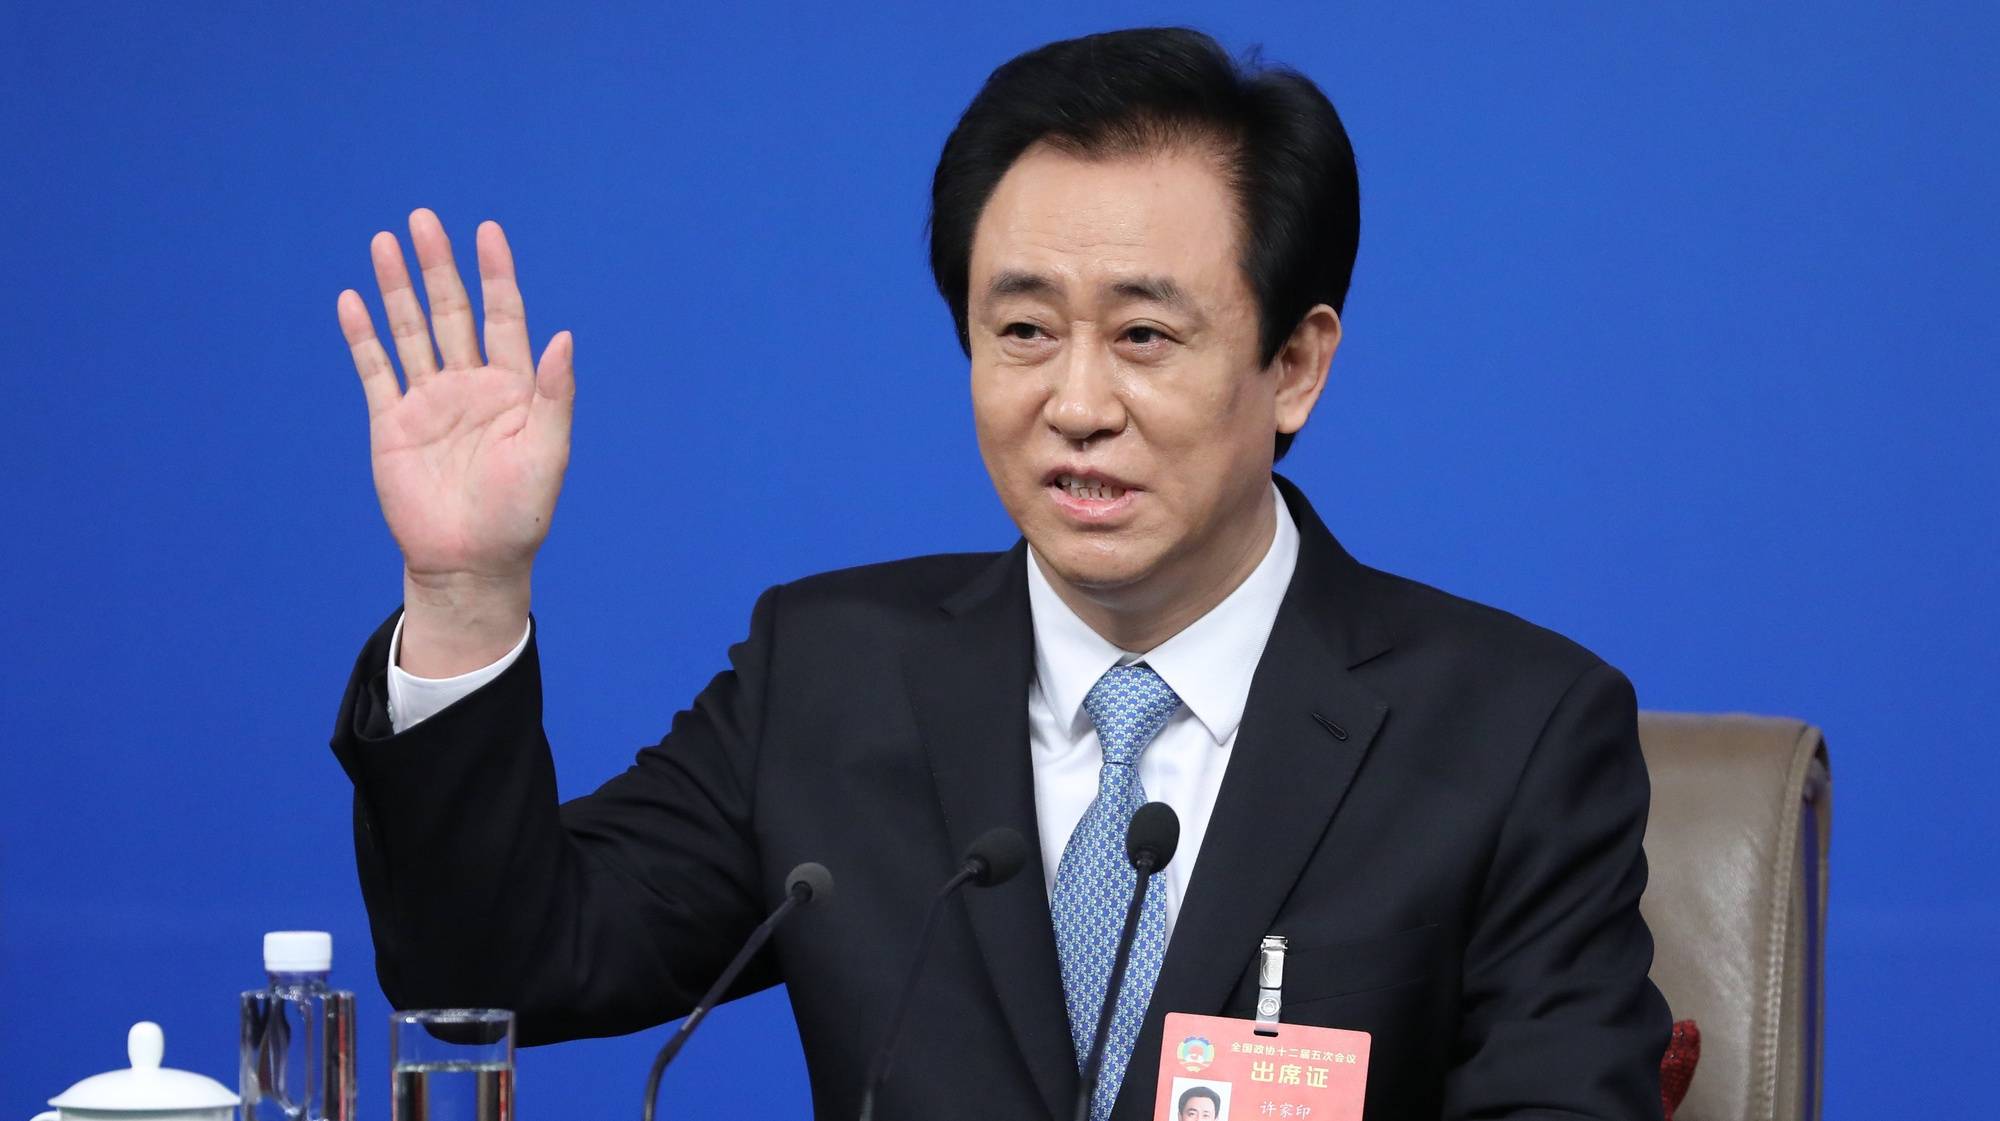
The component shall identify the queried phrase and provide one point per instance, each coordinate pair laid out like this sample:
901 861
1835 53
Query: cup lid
146 1085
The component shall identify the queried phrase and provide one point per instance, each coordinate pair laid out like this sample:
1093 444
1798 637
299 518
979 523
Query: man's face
1198 1109
1115 384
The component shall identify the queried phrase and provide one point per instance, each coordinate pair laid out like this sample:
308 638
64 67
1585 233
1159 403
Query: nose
1083 403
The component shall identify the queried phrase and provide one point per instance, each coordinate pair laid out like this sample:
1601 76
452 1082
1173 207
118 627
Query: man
1145 251
1200 1104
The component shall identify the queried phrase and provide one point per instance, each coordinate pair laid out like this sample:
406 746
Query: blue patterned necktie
1094 883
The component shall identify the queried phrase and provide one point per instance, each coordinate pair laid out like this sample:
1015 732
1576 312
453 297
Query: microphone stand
992 859
878 1068
1142 863
800 893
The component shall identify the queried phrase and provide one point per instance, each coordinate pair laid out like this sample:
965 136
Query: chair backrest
1737 848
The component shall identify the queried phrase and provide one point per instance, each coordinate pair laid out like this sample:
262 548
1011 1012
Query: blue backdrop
1673 329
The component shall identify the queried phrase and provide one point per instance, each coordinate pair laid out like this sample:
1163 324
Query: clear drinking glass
452 1064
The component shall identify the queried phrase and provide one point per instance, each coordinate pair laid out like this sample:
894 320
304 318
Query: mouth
1092 487
1090 497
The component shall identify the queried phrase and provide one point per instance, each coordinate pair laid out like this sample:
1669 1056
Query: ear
1301 366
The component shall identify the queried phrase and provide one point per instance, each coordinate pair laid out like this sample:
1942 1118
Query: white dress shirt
1209 664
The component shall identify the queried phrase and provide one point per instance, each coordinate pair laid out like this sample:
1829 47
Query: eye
1026 332
1146 335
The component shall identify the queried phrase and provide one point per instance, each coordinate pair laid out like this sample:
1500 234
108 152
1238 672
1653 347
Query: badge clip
1270 979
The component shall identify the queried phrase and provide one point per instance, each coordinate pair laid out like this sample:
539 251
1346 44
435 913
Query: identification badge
1214 1068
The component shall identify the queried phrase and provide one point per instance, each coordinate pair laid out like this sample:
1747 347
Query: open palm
469 455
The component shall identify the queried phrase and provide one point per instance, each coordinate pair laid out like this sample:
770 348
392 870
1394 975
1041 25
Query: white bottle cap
298 951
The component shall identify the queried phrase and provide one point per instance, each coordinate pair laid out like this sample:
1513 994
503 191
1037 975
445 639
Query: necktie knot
1129 705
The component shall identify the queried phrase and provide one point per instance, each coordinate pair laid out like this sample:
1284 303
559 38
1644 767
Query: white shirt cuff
413 699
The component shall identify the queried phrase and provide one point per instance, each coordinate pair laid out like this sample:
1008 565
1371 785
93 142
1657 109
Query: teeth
1082 486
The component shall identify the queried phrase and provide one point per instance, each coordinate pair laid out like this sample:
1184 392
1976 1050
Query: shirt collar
1209 663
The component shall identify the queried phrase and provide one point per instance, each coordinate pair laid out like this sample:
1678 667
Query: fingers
506 318
450 319
555 376
399 301
555 391
378 378
451 310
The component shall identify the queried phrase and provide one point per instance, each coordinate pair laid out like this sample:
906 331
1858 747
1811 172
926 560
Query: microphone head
1000 853
810 881
1154 833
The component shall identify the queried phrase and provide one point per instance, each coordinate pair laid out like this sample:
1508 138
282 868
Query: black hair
1198 1092
1283 148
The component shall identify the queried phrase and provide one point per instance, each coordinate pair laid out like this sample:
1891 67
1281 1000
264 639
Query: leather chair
1737 848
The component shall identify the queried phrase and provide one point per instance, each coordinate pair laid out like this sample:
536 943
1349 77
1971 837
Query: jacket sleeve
1560 1018
601 916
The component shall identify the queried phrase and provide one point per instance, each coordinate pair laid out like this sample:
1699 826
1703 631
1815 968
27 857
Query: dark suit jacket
1440 805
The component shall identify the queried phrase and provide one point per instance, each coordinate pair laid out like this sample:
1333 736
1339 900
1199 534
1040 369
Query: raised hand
469 455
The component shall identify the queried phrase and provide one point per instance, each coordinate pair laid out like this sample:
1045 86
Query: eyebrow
1152 289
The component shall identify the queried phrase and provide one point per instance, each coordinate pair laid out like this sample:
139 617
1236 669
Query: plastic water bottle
298 1035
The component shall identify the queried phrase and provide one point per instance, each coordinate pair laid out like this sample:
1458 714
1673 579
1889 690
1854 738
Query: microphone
806 883
993 859
1149 843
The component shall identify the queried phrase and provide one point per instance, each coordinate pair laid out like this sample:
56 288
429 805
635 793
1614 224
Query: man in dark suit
1145 250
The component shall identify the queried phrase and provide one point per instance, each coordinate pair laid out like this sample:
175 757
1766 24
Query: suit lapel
968 683
1306 726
